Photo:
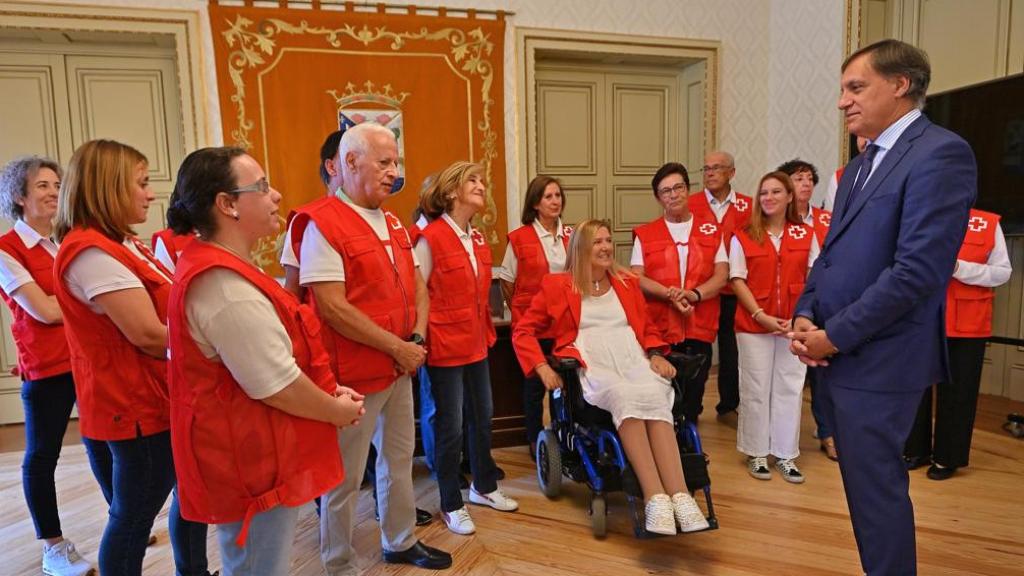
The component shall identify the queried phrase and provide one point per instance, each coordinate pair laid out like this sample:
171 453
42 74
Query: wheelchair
582 444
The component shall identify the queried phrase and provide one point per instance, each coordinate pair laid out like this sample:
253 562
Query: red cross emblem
567 230
708 228
797 232
825 218
477 237
393 220
741 204
977 224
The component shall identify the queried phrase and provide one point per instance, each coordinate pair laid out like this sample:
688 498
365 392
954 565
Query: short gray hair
356 139
892 58
14 180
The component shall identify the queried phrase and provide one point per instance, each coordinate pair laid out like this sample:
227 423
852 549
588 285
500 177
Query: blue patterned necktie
863 173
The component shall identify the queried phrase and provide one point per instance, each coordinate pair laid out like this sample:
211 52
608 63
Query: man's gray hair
357 138
729 157
14 181
892 58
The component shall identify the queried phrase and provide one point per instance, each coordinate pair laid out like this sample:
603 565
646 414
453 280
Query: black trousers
693 390
533 398
955 404
728 357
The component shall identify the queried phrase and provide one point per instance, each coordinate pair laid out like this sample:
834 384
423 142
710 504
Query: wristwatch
416 338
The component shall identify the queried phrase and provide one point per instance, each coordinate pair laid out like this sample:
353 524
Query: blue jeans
427 415
48 403
533 399
267 550
140 478
453 387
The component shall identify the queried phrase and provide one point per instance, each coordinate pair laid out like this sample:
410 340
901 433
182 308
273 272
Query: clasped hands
351 405
683 300
809 343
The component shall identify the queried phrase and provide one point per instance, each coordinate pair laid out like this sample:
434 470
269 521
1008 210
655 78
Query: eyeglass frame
680 188
715 168
261 185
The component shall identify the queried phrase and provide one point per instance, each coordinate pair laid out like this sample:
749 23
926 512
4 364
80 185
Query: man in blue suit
871 315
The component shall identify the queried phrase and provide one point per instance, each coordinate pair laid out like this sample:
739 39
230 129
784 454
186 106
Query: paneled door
605 130
51 102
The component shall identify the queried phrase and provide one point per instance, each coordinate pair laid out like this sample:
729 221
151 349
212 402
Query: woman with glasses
254 419
597 312
682 266
768 266
113 294
28 197
534 249
456 264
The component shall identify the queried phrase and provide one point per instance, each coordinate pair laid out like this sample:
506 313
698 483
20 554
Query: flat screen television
990 116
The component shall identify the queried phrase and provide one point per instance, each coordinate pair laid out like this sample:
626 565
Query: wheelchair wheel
598 516
549 464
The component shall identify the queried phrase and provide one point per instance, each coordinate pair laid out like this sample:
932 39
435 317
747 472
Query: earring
234 214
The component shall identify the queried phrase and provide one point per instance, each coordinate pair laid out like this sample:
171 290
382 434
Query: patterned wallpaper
779 68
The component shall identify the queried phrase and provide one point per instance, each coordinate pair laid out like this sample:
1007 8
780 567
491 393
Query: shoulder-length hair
440 197
758 221
15 178
535 193
577 262
97 190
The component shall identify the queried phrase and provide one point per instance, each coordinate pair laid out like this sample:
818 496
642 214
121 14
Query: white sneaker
658 515
688 514
458 521
789 471
757 466
496 500
62 559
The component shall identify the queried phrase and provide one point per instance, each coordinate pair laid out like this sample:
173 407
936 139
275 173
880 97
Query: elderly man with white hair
357 260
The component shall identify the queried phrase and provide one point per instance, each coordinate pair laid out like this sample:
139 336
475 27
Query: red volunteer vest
661 263
822 223
173 243
383 291
235 456
531 266
736 217
969 308
121 391
775 278
42 348
459 328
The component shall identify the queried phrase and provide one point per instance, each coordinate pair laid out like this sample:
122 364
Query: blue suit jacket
878 288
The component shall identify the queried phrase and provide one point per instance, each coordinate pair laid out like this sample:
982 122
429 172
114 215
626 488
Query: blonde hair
758 222
97 190
439 198
577 262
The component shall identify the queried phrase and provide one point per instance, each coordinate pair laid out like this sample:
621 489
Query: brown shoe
828 446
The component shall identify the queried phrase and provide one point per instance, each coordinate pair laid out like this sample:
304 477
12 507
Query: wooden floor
972 524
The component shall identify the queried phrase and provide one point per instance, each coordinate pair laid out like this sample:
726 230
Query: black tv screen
990 116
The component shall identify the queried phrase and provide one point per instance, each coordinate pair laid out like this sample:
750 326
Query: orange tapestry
287 77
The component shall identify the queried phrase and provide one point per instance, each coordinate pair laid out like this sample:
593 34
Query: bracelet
756 312
654 352
697 292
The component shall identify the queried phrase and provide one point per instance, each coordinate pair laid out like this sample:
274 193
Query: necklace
597 286
229 249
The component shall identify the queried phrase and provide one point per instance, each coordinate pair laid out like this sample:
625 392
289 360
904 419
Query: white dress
618 377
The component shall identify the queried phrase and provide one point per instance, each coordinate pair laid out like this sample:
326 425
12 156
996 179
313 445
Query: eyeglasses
668 190
261 185
714 168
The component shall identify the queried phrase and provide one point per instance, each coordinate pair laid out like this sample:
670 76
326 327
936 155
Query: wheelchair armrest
563 364
687 365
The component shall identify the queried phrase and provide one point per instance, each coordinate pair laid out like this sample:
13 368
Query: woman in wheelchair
598 315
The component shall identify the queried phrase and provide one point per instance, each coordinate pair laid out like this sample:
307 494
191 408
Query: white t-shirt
426 260
322 263
12 274
738 260
94 272
680 232
233 321
554 251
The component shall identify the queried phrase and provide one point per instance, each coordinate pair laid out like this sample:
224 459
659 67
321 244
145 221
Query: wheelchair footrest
695 467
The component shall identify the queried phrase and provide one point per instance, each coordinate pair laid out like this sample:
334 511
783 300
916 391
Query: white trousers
389 424
771 385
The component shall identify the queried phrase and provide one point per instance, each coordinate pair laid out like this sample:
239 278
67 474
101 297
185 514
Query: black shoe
420 555
915 462
423 517
936 473
463 482
499 473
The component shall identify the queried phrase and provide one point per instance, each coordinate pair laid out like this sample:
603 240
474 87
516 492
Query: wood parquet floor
971 524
